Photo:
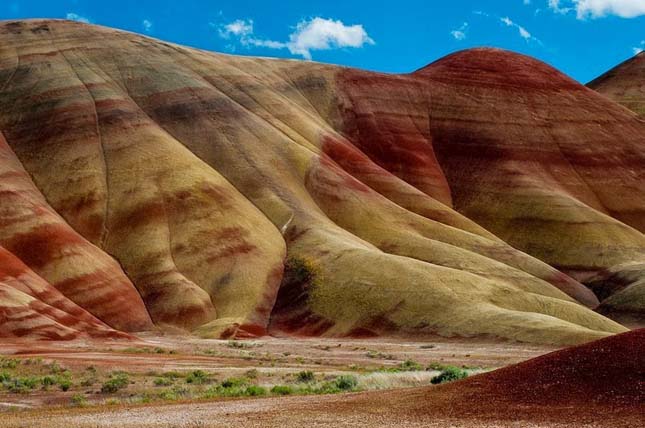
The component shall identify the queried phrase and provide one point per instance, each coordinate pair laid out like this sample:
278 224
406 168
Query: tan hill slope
625 84
194 176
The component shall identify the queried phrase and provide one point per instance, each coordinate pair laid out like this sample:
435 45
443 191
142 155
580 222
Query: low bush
410 366
64 384
8 363
305 376
116 382
163 381
79 400
198 377
346 383
255 391
21 385
47 381
234 382
282 390
449 374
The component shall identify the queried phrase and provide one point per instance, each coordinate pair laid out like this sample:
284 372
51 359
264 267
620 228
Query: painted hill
625 84
152 184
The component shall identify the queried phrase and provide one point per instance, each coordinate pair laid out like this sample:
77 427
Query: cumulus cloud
599 8
323 34
460 33
308 35
76 17
147 25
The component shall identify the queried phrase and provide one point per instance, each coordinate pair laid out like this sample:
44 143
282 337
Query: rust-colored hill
625 84
152 184
600 381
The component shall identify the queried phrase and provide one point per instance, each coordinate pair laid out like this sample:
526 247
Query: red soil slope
601 383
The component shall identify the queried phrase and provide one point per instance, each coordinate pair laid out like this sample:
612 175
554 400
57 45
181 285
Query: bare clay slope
200 173
625 84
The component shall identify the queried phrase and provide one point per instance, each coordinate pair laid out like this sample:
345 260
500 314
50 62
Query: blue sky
583 38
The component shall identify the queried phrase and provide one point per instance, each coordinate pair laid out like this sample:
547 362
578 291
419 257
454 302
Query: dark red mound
491 66
607 371
600 384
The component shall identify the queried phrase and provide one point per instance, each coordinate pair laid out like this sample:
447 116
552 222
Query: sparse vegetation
346 383
8 363
410 366
117 381
282 390
379 355
79 400
299 270
305 376
163 381
197 377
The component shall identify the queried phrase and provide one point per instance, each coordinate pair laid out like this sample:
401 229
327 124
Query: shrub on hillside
449 374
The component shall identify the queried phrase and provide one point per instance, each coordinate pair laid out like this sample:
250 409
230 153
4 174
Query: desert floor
391 365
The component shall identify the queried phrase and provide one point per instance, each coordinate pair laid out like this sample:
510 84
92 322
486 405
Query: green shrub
88 382
449 374
173 394
346 382
234 391
305 376
64 384
8 363
163 381
436 366
5 377
282 390
47 381
252 374
54 368
234 382
255 391
79 400
410 366
198 377
116 382
21 385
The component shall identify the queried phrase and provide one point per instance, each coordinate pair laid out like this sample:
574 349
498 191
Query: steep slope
41 239
625 84
31 307
199 173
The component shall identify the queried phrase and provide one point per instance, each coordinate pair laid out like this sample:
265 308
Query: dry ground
562 389
270 361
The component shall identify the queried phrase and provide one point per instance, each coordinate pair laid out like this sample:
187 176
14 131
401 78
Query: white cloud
460 33
76 17
324 34
599 8
640 48
557 7
523 32
309 35
147 25
239 28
